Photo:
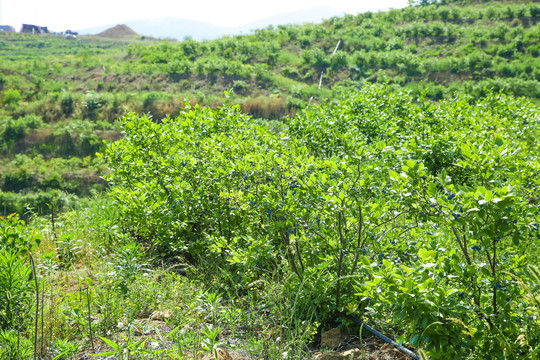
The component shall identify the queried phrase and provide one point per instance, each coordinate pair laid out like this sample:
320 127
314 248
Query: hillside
255 197
61 98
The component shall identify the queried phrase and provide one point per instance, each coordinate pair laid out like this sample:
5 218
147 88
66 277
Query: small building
34 29
7 28
70 35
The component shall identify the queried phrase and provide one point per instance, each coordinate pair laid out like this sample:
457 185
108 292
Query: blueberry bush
383 206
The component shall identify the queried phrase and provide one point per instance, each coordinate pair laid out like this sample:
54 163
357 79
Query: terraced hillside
60 99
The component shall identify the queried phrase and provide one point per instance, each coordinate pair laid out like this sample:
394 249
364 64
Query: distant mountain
313 15
180 28
170 28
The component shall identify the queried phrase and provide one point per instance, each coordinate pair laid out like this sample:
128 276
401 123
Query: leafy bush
345 209
290 72
67 104
92 103
17 180
240 87
128 263
12 96
15 237
15 130
68 249
32 202
13 346
15 290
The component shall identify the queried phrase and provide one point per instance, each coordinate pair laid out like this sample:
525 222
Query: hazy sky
59 15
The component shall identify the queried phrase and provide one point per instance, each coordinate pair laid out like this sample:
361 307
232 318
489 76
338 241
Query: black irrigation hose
386 338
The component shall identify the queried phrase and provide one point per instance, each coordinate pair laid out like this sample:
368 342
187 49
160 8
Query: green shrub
32 202
67 104
240 86
315 57
506 52
15 237
290 72
338 60
15 130
15 346
17 180
128 263
15 290
92 103
320 201
12 96
534 50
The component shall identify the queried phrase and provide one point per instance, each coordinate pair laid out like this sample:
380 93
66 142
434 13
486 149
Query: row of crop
439 11
26 128
34 203
377 49
173 58
74 175
28 134
399 67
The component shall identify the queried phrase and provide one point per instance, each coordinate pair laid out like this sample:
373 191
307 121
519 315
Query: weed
210 341
129 348
14 346
15 290
64 349
69 249
128 262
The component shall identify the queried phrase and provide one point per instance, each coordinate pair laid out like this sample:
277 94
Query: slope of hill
59 99
390 207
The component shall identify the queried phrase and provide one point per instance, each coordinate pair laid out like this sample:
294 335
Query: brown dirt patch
117 32
373 348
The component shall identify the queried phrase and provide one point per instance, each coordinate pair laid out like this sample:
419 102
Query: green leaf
466 150
425 254
105 353
423 354
433 324
110 343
